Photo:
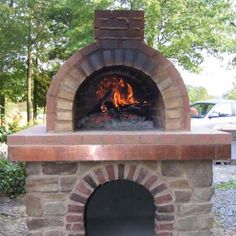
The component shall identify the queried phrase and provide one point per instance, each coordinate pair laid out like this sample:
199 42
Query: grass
231 184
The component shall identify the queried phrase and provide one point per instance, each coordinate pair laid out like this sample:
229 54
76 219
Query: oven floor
120 227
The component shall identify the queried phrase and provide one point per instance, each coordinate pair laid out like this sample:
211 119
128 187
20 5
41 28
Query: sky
216 76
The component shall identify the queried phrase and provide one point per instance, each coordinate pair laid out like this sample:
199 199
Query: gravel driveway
12 212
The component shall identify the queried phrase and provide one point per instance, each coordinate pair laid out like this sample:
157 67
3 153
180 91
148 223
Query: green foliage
12 128
12 178
182 29
3 134
197 93
231 184
232 93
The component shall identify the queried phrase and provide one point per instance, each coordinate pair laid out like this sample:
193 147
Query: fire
115 90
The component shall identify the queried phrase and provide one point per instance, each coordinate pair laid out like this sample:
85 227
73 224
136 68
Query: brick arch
83 63
84 188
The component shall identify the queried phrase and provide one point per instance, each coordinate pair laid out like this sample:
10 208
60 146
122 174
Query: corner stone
199 173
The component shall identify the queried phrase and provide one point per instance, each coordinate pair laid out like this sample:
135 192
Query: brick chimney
119 25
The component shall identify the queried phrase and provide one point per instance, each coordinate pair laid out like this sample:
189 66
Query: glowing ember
114 89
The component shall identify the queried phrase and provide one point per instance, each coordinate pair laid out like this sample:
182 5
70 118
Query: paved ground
12 212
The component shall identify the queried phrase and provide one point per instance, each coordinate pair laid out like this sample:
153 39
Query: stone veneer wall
57 193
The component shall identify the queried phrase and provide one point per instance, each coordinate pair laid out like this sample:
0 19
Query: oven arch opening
118 98
120 208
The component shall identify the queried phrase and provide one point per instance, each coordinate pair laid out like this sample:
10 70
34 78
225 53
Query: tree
184 29
11 69
197 93
232 93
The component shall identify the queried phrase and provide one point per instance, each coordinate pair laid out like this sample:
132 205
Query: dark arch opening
120 208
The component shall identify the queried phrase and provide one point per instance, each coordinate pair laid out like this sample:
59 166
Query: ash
106 122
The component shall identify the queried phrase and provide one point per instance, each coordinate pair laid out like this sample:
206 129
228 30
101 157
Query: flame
117 91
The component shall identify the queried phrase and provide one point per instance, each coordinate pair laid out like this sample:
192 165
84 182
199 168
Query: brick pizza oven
117 156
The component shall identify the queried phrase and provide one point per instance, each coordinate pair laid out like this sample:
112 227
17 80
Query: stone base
57 193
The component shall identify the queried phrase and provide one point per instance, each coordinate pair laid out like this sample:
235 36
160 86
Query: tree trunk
2 109
29 77
35 100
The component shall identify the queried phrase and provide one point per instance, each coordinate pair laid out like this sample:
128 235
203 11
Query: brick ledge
35 144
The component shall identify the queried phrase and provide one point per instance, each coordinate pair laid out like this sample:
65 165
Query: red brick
77 234
130 139
74 58
119 55
186 105
118 34
164 234
149 138
187 139
129 57
54 86
131 172
83 189
147 50
164 217
168 139
111 139
76 208
96 61
86 67
150 181
140 60
53 139
121 169
119 13
130 43
111 172
74 218
187 121
163 199
72 139
90 181
160 188
106 43
62 72
16 140
141 175
108 58
91 139
50 119
166 209
74 227
88 49
51 104
78 198
34 140
161 226
100 176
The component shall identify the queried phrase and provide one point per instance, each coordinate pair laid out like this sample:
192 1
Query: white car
213 114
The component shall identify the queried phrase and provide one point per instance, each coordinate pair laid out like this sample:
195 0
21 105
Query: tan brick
63 126
69 95
171 92
173 113
173 103
65 105
165 84
64 115
71 82
173 124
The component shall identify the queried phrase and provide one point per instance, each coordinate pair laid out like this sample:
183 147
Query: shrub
3 134
12 177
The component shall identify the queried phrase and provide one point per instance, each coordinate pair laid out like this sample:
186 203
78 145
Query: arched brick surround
162 195
105 53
